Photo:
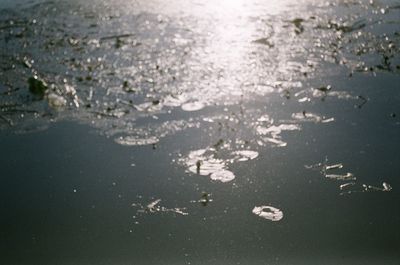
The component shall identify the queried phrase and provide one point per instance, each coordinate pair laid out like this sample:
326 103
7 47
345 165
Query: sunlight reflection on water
134 66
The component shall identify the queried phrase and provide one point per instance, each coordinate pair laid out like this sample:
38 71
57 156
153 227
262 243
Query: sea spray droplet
268 212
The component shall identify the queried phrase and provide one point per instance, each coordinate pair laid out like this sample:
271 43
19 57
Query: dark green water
155 130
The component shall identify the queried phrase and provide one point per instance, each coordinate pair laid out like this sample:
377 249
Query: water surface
199 132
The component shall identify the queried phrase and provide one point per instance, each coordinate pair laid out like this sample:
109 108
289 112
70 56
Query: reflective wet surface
199 132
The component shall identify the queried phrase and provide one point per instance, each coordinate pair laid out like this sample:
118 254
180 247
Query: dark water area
199 132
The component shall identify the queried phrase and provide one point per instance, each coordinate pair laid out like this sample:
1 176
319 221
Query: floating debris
318 166
7 120
385 187
363 102
152 106
268 212
56 101
346 185
276 130
174 101
297 22
132 140
323 166
304 99
311 117
219 144
154 207
205 199
193 106
363 188
345 27
349 187
328 120
245 155
204 162
335 166
341 95
37 86
71 92
116 37
274 133
222 175
324 89
348 176
264 41
275 141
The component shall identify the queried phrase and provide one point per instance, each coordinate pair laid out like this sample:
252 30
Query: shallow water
195 132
